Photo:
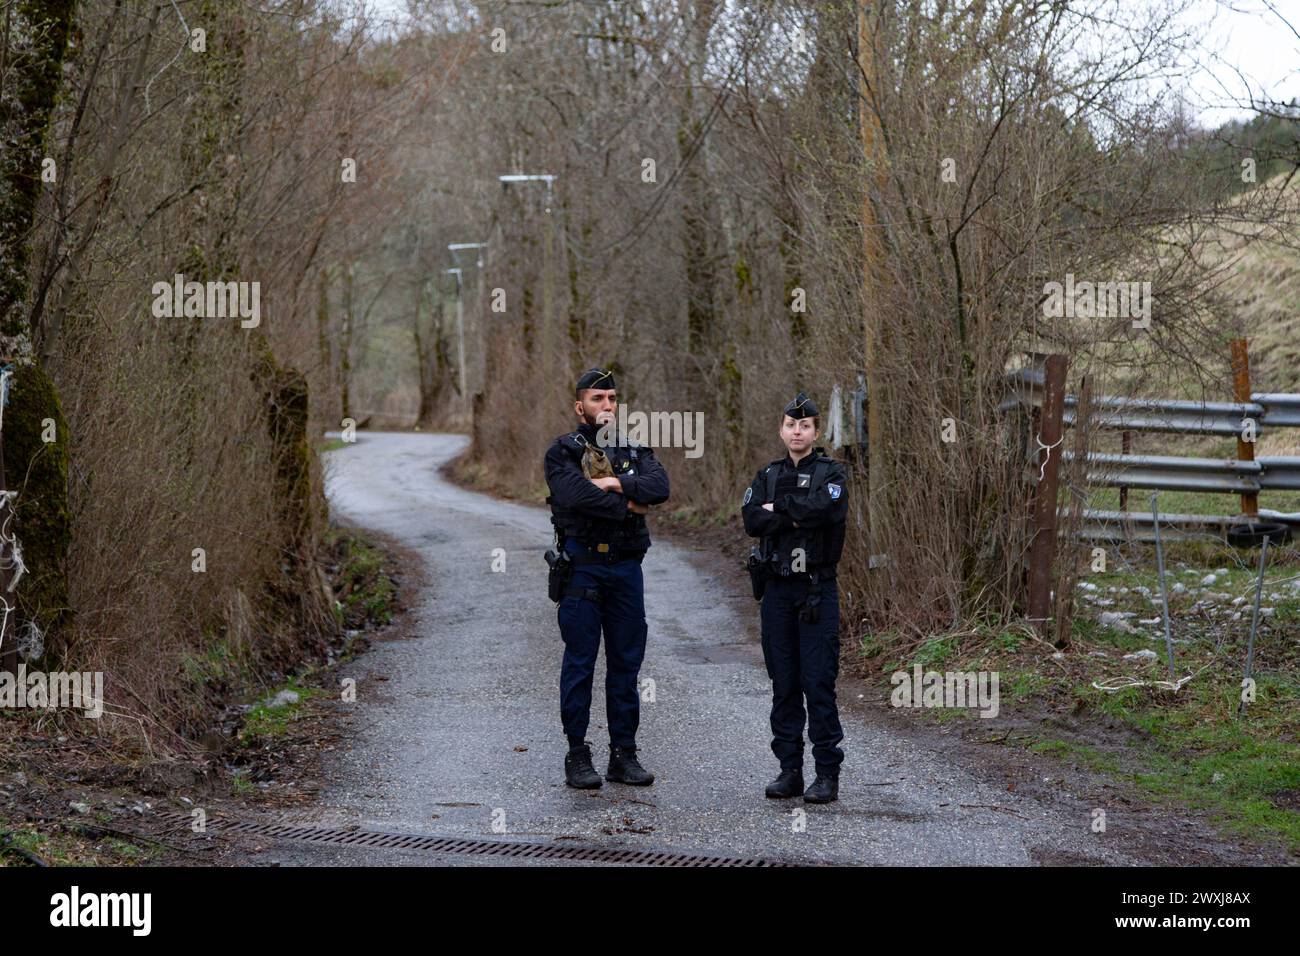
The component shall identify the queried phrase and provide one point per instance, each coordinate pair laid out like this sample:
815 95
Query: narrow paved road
464 732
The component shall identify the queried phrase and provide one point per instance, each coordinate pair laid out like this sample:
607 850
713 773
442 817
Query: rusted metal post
1049 460
1125 448
1241 393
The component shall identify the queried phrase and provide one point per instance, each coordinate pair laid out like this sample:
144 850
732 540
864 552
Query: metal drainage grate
498 848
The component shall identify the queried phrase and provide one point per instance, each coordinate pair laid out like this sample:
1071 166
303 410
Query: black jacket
802 516
581 510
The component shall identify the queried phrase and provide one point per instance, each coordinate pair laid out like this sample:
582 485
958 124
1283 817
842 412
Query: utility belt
764 569
611 555
562 563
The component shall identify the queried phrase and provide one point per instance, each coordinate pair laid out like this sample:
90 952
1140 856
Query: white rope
11 558
8 562
1038 439
4 623
1113 684
31 642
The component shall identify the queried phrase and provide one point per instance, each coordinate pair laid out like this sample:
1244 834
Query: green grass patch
937 651
1191 502
72 844
1189 747
364 593
267 719
1077 753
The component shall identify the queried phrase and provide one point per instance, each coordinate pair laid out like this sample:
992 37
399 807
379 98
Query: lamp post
455 247
548 298
460 331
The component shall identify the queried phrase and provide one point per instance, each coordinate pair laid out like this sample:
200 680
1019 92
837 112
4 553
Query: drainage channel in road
505 849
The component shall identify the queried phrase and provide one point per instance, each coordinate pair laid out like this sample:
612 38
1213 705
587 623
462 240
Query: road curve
457 731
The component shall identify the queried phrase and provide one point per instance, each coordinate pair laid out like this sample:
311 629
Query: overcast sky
1246 35
1254 40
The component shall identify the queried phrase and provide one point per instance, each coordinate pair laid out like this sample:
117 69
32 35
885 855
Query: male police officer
797 505
600 524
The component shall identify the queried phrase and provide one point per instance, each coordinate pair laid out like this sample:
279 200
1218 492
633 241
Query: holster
557 579
810 608
758 572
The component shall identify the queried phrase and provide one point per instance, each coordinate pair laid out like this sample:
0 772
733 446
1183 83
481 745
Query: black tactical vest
821 546
630 534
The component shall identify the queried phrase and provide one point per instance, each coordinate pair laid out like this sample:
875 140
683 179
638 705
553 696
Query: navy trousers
803 660
620 615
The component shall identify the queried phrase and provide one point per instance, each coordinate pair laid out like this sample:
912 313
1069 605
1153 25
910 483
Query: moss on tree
38 471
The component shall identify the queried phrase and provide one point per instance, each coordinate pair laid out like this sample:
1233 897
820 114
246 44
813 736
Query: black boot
624 768
578 771
823 790
788 783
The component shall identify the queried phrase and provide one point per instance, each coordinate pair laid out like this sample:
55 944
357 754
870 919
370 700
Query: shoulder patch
835 490
749 493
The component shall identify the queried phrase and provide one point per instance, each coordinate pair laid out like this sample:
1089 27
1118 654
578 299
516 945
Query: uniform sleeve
571 489
759 522
820 508
650 485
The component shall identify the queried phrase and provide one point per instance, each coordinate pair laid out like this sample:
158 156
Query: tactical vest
630 534
819 544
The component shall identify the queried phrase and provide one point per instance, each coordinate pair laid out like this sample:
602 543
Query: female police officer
797 505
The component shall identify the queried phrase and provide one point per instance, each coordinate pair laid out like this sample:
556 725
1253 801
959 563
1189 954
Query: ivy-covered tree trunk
34 432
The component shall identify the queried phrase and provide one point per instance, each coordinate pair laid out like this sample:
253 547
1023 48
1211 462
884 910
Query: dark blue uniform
803 537
606 592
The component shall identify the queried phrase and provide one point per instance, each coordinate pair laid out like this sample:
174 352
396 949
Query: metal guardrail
1280 473
1281 409
1204 418
1166 473
1173 473
1268 409
1140 526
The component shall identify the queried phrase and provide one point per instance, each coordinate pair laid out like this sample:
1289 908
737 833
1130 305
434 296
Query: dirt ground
65 800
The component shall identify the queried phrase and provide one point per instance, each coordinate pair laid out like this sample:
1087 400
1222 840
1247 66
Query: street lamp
548 296
453 248
547 178
460 331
